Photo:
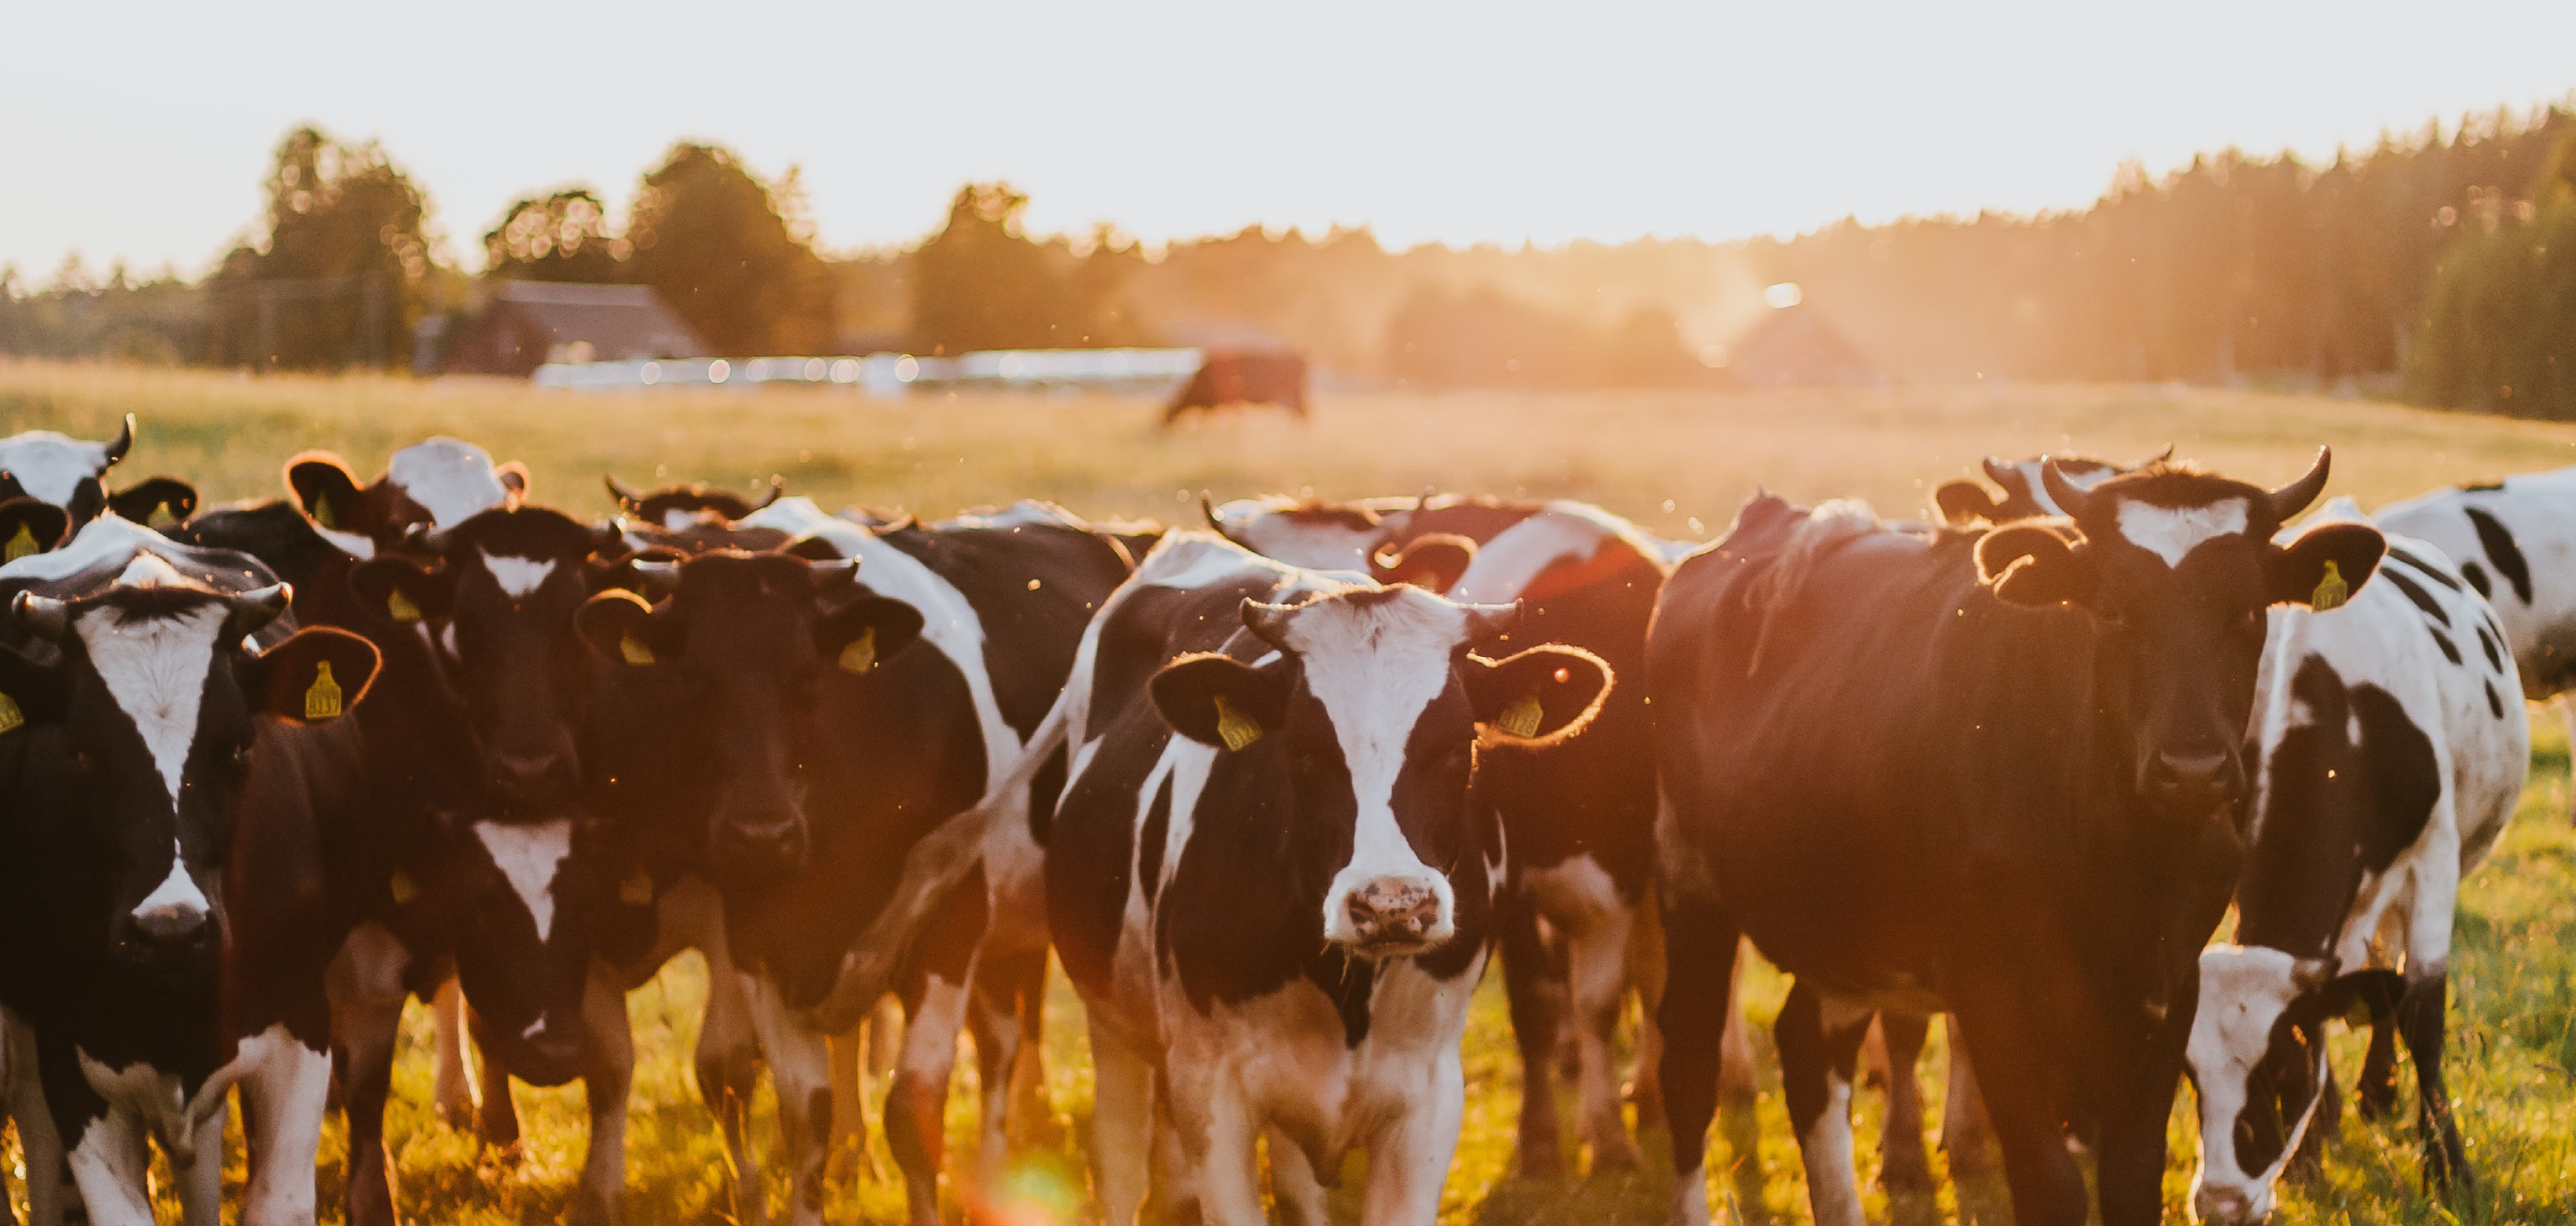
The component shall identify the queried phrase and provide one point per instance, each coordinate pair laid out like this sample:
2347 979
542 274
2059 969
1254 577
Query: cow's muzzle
759 851
1394 914
2191 782
536 780
170 939
2230 1205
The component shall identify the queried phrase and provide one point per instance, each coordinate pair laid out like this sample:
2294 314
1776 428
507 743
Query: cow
2515 543
1579 820
1998 774
136 696
2025 494
2393 749
438 482
1266 877
1243 378
787 728
45 469
675 507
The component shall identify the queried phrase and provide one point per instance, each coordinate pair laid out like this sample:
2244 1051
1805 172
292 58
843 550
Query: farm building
526 324
1794 346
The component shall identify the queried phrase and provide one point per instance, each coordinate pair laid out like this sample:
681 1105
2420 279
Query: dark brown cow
1243 378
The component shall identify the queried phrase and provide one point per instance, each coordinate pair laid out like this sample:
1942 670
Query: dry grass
1677 462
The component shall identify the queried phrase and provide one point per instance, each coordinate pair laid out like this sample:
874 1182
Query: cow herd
1271 792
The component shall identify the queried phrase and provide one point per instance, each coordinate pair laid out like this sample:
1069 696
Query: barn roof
525 323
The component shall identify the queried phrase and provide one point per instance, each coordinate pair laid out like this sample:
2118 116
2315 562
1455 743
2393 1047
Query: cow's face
522 915
745 643
2177 570
438 483
2025 488
151 708
2258 1065
61 471
1374 705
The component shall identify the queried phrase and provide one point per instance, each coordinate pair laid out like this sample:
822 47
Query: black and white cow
135 699
2393 746
438 482
1267 879
44 469
787 723
675 507
1579 820
1996 774
2025 492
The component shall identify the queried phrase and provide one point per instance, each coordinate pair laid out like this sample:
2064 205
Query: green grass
1677 462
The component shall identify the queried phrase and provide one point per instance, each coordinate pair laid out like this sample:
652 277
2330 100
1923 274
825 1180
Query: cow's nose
528 777
1393 910
2225 1205
168 935
2192 776
762 848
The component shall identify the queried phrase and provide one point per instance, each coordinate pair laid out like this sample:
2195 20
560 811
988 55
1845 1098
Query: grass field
1677 462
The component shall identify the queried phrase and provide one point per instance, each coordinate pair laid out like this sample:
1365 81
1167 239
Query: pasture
1677 462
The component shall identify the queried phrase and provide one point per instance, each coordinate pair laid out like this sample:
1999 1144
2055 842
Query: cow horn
777 489
833 573
1270 621
43 616
2060 490
1207 507
1491 621
255 609
124 442
660 575
2158 458
1997 471
625 497
654 567
2293 498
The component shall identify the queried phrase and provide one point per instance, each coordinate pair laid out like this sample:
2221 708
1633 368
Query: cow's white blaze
450 478
528 853
519 577
1376 666
1505 565
178 893
2171 533
355 544
104 541
2243 992
155 668
49 466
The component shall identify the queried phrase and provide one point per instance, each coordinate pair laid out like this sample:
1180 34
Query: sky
141 131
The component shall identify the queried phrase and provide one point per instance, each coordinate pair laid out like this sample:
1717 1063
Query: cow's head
2258 1065
525 916
439 482
2177 569
742 646
1316 535
675 507
150 694
2025 492
1366 720
502 599
68 473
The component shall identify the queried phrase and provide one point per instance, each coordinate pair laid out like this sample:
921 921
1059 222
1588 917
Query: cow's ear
1538 697
323 486
155 502
30 526
32 691
1964 502
318 674
513 477
1215 699
813 549
2034 567
1433 561
402 589
866 632
620 626
2326 565
2376 989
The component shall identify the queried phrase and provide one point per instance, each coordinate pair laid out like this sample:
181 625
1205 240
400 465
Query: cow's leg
1967 1136
1646 975
1699 977
2047 1189
1293 1185
1904 1165
607 1078
1537 1000
992 1016
1122 1123
2567 715
111 1165
365 984
1819 1054
2420 1018
283 1100
201 1179
849 1143
454 1088
1409 1158
1032 1113
2376 1085
916 1107
2130 1146
1219 1136
800 1069
40 1146
728 1053
1597 966
498 1116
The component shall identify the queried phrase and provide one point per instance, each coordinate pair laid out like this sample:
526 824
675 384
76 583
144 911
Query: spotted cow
50 485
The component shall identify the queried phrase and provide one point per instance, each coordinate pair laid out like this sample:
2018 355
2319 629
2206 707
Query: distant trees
1483 338
982 283
558 237
340 272
730 253
2499 325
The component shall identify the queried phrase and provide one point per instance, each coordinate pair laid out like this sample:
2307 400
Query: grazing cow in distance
43 469
2393 748
1998 774
1579 818
135 696
1266 877
1243 378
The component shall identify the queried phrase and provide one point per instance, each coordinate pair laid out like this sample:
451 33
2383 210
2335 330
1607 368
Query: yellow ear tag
403 890
634 650
322 514
2331 591
10 715
861 654
20 545
1234 727
322 701
637 889
400 608
1521 717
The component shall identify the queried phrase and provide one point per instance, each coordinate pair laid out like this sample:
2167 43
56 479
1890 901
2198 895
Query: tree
981 284
559 237
342 269
729 253
2498 332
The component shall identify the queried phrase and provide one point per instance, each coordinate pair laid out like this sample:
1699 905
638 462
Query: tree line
2438 262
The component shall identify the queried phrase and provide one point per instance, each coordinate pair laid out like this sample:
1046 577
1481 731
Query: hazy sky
142 130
